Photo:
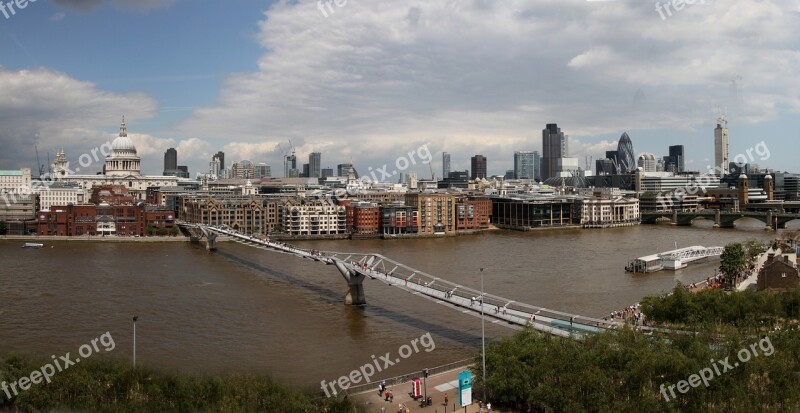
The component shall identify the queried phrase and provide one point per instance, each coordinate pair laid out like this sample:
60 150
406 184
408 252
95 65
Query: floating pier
672 260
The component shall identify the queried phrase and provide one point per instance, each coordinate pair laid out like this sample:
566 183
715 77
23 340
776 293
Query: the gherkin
627 162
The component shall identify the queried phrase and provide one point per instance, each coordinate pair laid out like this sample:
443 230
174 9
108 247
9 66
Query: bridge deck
503 311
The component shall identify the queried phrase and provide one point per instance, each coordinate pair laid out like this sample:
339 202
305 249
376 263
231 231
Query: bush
101 385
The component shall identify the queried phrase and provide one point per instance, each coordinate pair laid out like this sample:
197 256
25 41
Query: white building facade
122 167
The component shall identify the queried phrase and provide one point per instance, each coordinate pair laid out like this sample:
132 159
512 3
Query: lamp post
136 317
483 340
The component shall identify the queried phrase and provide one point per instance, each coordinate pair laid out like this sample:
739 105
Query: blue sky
376 79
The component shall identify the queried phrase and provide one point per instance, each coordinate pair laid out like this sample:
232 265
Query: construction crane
38 162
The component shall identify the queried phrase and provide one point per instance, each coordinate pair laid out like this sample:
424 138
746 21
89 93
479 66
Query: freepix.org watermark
701 182
326 6
678 5
11 7
420 155
59 364
378 364
97 154
717 369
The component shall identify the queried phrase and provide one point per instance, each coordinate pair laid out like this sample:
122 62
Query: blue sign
465 388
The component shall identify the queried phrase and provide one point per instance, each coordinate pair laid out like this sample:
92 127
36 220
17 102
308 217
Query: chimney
786 259
770 257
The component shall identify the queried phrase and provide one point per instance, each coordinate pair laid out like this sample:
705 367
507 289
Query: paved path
437 387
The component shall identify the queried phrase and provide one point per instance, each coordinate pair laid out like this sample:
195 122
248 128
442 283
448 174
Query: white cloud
376 74
52 110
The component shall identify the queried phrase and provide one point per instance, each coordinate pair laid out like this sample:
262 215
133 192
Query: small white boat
32 245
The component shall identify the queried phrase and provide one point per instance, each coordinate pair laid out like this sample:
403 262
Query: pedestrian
445 399
489 407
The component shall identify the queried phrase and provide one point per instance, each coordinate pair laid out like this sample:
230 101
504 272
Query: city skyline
219 106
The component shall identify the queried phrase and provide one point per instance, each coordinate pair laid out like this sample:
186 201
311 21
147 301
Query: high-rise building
554 146
306 171
537 166
626 160
604 167
523 165
290 166
221 157
262 170
243 170
721 150
170 160
478 167
214 168
676 159
315 165
648 163
327 172
613 157
343 169
445 165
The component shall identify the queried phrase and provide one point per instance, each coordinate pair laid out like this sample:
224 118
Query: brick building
436 212
363 218
779 273
106 219
473 213
399 220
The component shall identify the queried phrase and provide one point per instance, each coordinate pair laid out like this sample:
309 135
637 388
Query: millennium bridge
357 267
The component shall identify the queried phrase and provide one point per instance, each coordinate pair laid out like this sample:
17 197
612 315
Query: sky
370 81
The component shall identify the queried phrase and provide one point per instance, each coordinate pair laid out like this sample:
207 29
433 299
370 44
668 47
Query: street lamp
483 340
136 317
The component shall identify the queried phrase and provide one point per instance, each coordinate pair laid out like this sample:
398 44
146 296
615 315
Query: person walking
445 400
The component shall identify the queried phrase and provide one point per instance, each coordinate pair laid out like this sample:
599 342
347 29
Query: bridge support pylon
355 296
211 241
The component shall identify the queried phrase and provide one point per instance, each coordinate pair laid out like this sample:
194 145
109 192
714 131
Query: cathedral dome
123 143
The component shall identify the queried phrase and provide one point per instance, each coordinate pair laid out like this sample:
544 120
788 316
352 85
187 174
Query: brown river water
242 309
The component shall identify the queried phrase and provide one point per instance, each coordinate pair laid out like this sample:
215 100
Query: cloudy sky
371 80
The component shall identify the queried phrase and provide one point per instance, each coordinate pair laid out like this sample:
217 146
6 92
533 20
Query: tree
3 228
733 262
754 249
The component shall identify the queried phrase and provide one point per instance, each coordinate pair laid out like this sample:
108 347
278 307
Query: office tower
676 158
604 167
221 157
343 169
290 166
648 163
445 165
613 157
170 161
262 170
315 165
626 160
554 146
478 167
523 165
510 174
721 150
214 167
306 171
537 166
242 170
327 172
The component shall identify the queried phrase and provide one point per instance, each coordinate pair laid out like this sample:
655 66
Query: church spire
123 130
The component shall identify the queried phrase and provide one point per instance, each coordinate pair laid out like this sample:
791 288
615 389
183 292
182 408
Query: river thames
242 309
